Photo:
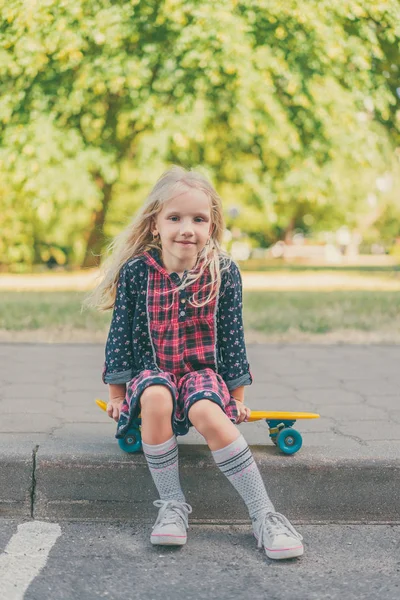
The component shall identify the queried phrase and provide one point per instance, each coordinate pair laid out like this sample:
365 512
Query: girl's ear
153 227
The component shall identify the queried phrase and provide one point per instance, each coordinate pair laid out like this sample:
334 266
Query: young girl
175 352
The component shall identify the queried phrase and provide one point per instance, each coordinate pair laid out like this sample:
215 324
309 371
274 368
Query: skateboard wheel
289 440
132 441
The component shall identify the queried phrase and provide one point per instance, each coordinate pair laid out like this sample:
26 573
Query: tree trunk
288 233
95 238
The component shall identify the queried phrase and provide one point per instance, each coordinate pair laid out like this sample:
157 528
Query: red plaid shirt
152 328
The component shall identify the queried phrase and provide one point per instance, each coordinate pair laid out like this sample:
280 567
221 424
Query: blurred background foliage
291 107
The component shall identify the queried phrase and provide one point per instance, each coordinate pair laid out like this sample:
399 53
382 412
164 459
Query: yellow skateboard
280 425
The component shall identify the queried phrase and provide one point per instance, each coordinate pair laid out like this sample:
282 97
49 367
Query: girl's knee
203 413
156 400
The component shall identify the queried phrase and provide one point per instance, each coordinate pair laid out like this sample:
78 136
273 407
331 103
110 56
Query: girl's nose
186 229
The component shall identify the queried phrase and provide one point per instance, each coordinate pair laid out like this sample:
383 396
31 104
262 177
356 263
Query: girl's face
184 225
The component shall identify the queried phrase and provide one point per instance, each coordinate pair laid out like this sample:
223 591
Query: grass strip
265 312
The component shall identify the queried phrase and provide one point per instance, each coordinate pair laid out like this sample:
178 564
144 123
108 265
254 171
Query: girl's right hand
114 407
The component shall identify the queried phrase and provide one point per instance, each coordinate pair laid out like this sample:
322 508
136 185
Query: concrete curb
59 458
87 485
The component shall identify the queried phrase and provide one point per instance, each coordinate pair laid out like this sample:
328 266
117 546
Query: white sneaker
171 524
278 536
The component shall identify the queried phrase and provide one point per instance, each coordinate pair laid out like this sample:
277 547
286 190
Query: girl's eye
198 219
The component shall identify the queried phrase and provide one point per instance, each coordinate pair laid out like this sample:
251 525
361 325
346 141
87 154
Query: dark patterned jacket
151 329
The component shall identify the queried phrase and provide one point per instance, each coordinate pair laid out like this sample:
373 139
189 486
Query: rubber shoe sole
168 540
282 553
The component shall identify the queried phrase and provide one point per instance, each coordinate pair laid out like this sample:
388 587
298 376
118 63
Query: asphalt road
87 560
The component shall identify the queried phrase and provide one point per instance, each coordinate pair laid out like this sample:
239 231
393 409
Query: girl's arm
116 395
119 367
244 412
116 391
231 349
238 393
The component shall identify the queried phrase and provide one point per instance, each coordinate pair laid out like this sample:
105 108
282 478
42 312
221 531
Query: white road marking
25 556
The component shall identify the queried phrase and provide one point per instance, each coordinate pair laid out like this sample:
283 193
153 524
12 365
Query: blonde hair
137 238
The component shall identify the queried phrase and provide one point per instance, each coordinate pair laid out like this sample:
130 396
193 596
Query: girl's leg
161 451
232 455
159 443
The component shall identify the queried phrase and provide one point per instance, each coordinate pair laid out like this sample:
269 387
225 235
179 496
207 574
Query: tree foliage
290 107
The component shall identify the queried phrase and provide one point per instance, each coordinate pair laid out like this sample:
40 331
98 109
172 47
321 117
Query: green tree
284 104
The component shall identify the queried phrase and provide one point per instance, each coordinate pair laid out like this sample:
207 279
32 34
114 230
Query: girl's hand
114 407
243 412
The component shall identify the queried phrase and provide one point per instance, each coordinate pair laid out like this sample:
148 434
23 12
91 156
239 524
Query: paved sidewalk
59 458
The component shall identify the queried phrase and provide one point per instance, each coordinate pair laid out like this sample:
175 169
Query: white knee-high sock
162 460
237 463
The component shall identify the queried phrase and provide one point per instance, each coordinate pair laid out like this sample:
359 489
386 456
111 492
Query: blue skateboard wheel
289 440
132 441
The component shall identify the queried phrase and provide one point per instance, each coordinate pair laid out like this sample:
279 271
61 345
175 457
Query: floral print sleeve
232 358
118 367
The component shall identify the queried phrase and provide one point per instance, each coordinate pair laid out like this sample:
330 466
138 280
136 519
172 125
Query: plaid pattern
193 386
183 335
153 328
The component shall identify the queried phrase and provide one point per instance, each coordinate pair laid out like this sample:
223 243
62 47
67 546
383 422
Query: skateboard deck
268 415
281 432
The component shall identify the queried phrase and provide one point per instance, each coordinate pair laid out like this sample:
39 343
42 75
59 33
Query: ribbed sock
162 460
237 463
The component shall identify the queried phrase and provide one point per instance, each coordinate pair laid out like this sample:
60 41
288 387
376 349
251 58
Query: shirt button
182 313
183 300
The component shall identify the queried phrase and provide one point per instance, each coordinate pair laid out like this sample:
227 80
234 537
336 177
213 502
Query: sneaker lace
274 523
172 512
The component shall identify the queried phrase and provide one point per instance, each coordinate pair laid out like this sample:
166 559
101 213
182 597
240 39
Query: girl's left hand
243 412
